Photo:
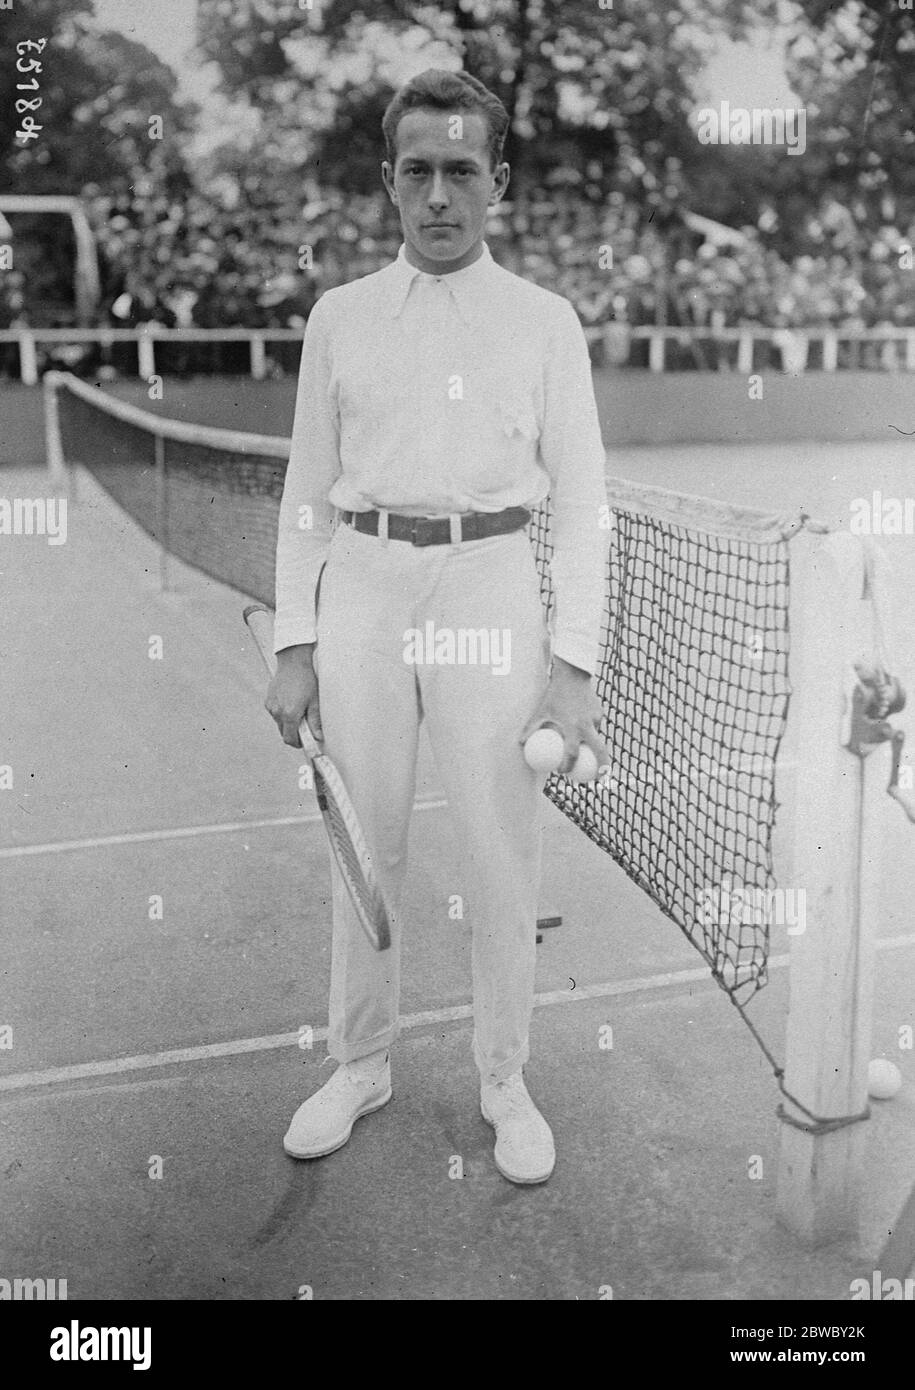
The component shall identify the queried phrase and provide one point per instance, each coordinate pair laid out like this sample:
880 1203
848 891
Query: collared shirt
438 394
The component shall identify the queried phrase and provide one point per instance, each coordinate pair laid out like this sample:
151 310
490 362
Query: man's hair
439 90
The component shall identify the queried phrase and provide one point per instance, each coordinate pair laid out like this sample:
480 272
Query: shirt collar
469 287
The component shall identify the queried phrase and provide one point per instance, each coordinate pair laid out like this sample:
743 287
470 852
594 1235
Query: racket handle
259 621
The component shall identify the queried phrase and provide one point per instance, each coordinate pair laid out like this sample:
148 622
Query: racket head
351 853
340 820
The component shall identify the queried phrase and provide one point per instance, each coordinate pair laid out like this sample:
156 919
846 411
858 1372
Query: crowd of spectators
216 261
613 266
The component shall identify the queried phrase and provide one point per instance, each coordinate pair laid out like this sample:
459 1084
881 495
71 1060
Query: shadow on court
165 939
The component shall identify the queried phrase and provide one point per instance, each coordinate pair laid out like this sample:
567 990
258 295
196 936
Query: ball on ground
884 1079
544 749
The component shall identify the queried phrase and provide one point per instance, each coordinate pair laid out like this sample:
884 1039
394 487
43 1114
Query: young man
439 400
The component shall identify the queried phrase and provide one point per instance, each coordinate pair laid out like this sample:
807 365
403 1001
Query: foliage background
204 225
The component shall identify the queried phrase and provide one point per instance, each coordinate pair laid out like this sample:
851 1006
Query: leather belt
436 530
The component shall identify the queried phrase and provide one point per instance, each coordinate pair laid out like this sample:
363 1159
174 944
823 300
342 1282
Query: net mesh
215 507
693 685
692 675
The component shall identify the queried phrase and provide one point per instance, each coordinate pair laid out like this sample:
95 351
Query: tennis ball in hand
884 1079
544 749
584 768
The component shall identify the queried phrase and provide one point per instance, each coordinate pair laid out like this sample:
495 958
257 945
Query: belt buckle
422 531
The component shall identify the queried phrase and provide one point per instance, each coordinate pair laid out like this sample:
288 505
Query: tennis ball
544 749
584 769
884 1079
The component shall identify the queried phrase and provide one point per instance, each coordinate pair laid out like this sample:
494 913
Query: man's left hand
570 704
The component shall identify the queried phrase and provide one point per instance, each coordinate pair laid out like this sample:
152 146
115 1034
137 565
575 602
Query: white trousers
390 615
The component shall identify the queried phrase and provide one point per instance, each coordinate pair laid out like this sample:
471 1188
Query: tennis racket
340 821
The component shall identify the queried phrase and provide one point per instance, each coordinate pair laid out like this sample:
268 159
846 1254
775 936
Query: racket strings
350 849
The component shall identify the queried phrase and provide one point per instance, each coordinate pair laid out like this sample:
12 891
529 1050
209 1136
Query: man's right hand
292 694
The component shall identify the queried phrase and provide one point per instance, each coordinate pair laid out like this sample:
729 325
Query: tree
854 198
599 104
853 66
596 95
100 95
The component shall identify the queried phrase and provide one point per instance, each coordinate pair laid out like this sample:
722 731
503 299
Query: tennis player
439 399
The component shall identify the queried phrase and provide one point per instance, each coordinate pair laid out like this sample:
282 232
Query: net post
837 862
162 510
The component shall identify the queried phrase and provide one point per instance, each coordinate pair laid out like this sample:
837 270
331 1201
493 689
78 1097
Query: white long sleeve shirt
438 394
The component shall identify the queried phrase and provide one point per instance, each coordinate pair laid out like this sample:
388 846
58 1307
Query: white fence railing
145 339
892 349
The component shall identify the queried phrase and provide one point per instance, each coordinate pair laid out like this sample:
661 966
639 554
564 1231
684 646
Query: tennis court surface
166 950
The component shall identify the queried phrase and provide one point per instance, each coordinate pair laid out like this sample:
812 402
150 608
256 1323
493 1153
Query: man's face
441 184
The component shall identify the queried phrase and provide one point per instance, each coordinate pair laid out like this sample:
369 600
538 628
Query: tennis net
210 497
693 671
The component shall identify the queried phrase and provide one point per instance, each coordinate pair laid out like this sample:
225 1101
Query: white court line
138 837
239 1046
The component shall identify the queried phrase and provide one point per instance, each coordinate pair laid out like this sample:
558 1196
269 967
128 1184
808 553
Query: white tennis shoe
325 1121
524 1151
